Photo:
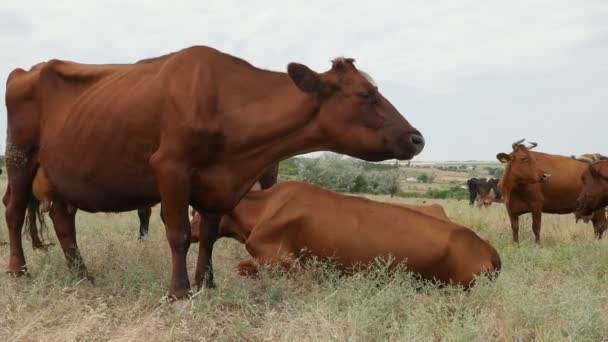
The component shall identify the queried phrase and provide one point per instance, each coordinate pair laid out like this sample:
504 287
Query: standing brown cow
197 127
296 221
594 195
535 182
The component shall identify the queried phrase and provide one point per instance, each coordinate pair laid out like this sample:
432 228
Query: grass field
555 292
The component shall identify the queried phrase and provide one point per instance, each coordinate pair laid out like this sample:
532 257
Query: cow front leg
536 221
65 228
208 231
250 267
515 226
173 185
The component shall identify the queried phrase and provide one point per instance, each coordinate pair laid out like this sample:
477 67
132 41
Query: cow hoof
167 299
42 246
247 268
209 284
178 295
90 278
84 276
20 272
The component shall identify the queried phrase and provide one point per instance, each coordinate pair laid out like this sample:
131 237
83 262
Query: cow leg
21 170
16 206
250 267
514 218
536 221
268 247
208 231
247 268
173 185
65 228
600 223
144 221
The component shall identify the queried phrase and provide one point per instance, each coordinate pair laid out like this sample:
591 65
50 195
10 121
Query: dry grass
555 292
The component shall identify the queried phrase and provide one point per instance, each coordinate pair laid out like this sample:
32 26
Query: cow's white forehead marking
368 78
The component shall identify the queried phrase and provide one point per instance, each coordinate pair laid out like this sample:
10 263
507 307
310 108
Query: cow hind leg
16 206
17 199
144 221
65 228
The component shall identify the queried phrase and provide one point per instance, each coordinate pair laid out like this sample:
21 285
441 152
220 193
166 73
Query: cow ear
600 169
307 80
503 157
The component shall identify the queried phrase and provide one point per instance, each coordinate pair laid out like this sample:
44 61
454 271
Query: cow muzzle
407 146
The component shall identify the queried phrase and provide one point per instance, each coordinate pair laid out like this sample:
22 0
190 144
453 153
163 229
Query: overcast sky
472 76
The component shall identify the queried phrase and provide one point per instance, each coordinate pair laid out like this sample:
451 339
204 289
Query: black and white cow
483 191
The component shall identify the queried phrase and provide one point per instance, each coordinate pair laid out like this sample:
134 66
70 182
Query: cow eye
364 96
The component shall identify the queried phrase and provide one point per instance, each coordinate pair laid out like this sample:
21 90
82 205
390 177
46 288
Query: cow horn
532 145
518 142
583 159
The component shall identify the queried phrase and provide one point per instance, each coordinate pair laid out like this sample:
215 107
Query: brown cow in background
594 195
294 221
535 182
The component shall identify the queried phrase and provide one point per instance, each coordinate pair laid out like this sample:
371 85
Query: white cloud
449 66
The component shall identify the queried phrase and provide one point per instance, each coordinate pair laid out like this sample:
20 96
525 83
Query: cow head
226 228
522 167
493 182
354 115
485 196
594 194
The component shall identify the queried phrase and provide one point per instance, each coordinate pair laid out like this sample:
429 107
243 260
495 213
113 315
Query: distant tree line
345 174
342 174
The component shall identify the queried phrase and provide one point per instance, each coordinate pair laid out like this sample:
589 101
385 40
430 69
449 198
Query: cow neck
277 113
246 214
273 124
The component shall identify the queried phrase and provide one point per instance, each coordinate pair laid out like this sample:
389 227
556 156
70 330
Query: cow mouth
408 146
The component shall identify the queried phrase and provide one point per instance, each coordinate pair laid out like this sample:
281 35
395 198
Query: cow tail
33 218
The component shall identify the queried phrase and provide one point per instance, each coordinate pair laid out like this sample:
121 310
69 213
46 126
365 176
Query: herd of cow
203 129
535 182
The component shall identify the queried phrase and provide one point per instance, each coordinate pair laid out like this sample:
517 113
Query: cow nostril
418 141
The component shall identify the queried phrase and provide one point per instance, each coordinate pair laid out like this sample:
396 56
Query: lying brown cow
594 195
538 182
296 221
